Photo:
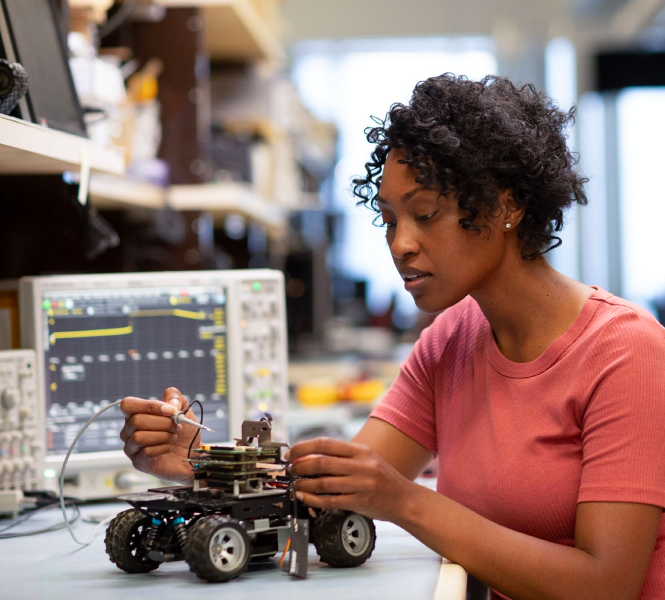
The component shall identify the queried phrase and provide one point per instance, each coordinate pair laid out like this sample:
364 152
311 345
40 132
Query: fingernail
287 455
167 409
300 496
175 402
175 437
178 427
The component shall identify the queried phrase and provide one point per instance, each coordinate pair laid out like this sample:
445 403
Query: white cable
62 479
101 524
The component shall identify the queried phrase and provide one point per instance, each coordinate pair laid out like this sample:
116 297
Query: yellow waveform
62 335
87 333
166 312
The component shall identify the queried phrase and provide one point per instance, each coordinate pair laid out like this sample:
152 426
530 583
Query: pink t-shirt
523 443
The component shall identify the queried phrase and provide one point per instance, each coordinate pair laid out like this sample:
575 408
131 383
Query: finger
143 422
131 406
345 501
329 485
144 439
322 445
323 465
304 458
151 452
174 396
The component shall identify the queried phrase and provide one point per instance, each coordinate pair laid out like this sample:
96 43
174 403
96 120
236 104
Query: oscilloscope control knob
10 398
125 480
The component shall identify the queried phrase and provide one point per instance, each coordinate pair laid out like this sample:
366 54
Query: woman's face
440 262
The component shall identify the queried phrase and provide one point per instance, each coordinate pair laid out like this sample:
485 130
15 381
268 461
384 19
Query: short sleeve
623 424
409 404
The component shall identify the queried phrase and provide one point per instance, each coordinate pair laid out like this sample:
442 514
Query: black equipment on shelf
13 85
30 35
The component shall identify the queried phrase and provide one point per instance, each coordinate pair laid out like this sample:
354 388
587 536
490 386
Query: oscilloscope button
10 398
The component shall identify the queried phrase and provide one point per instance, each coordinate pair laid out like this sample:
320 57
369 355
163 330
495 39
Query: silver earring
507 225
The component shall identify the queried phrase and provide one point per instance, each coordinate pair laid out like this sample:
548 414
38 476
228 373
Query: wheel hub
355 535
227 549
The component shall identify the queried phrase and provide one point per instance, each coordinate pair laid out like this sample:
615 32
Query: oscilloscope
217 336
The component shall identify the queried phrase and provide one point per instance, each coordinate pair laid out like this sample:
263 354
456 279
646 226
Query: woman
543 398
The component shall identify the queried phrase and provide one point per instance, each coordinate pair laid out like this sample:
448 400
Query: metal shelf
234 31
117 192
221 199
26 148
97 8
93 4
218 199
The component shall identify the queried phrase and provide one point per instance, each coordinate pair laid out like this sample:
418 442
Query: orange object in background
362 391
324 394
315 394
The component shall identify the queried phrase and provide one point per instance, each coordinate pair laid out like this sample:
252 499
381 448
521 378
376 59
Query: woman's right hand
153 442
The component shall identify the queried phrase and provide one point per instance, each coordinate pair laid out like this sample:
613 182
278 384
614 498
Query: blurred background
241 125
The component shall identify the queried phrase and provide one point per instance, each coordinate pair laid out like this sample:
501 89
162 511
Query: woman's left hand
349 476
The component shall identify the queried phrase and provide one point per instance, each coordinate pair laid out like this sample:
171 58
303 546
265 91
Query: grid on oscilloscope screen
101 346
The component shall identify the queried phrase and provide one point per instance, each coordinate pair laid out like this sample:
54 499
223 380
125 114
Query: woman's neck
529 305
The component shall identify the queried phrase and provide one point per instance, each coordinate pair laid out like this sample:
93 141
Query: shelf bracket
84 177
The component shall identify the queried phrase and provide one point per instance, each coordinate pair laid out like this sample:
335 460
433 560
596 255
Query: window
641 131
347 82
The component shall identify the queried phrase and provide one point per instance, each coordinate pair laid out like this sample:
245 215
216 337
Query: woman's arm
613 546
398 449
613 541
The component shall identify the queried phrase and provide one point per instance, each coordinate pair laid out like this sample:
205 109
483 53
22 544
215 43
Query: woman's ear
511 212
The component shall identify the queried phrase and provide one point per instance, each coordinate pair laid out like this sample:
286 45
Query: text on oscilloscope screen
101 346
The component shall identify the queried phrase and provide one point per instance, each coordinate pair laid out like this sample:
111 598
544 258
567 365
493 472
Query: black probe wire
29 515
55 527
292 485
198 433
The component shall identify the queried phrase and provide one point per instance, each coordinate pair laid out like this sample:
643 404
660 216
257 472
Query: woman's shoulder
450 331
620 323
466 313
617 311
460 322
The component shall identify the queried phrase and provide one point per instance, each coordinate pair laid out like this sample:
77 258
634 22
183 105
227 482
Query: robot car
238 510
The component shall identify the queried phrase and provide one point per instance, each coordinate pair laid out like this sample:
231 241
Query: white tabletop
52 566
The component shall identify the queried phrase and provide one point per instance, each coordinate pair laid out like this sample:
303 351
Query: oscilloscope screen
101 346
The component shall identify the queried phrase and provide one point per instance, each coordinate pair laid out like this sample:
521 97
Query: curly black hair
475 139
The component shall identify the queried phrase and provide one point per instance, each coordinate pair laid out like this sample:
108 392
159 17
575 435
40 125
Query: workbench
52 566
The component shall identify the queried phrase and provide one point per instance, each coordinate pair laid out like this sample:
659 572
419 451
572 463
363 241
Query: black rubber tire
6 80
124 539
344 539
211 532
